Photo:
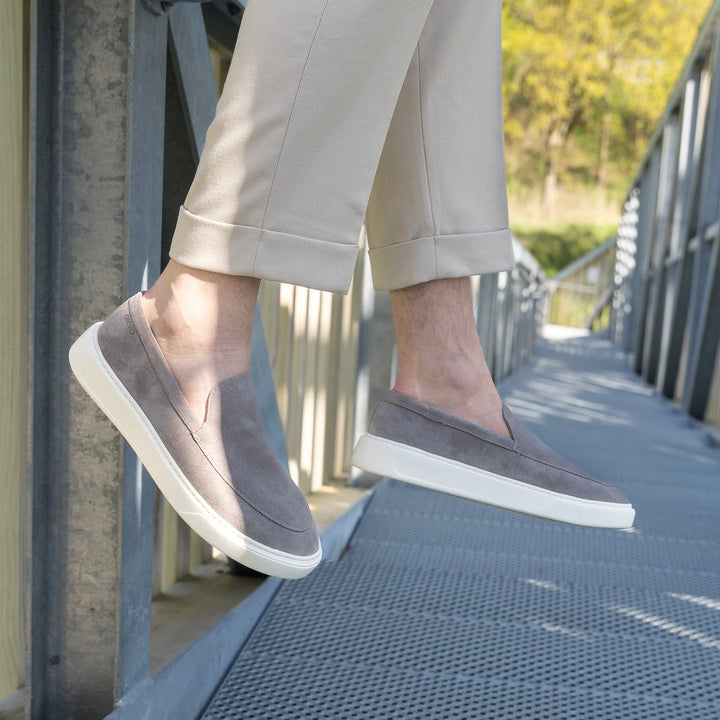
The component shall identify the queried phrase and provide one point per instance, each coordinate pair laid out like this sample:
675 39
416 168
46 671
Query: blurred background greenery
585 83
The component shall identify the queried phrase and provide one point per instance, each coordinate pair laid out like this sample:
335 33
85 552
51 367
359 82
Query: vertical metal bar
487 317
646 224
663 223
701 363
626 273
193 70
702 313
143 234
678 273
375 352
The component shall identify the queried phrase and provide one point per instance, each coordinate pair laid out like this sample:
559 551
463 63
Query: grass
555 246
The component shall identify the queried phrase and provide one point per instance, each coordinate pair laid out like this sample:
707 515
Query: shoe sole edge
390 458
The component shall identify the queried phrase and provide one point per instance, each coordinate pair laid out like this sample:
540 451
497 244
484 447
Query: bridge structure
426 606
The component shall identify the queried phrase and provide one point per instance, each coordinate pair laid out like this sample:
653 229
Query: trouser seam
425 159
287 126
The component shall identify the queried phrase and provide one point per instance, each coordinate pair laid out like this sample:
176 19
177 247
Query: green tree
594 74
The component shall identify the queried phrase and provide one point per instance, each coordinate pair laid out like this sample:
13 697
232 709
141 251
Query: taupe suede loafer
220 476
410 441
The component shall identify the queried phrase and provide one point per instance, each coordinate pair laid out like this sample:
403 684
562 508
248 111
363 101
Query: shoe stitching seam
514 450
209 456
450 424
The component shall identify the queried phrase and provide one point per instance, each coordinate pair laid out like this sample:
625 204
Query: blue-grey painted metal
704 325
510 309
678 271
649 182
666 305
193 69
656 265
442 608
143 228
161 7
375 352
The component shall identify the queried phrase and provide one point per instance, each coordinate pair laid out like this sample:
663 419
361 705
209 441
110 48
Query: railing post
678 270
487 317
656 261
98 104
704 312
649 184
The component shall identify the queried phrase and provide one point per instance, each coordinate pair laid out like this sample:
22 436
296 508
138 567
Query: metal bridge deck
440 608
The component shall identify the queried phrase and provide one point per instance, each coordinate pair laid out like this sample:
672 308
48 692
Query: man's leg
438 208
284 179
438 214
440 360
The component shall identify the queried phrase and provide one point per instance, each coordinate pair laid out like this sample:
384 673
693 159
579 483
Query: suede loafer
221 475
410 441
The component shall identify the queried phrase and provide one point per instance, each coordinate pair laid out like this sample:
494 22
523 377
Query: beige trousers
339 110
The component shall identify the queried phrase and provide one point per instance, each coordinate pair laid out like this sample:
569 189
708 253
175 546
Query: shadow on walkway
440 608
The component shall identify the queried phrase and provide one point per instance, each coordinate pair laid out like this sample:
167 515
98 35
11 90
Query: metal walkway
440 608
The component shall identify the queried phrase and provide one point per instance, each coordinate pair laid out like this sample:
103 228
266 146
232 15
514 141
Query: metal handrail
580 294
666 305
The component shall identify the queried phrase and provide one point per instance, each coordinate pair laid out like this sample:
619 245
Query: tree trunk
555 143
604 150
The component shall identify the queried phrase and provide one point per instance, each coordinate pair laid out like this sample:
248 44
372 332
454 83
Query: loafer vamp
232 438
402 419
538 464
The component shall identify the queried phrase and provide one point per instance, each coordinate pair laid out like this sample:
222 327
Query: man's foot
220 475
412 441
444 426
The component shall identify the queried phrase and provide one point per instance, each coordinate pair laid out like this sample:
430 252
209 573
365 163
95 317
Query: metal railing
510 311
666 306
95 541
581 293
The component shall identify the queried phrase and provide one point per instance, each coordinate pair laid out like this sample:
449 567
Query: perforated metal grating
442 609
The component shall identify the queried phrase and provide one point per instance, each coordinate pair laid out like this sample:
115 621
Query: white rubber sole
104 387
412 465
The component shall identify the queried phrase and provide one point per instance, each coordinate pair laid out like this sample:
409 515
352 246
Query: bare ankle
440 360
203 323
203 307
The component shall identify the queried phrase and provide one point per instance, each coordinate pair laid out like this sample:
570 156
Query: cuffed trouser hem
258 252
443 256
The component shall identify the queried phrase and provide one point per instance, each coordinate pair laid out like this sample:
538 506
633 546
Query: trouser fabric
334 112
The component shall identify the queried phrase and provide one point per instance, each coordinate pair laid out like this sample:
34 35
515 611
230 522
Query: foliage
556 246
585 84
